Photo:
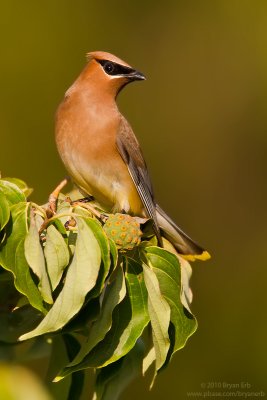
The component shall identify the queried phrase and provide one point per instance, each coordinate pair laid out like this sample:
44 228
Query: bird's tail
184 245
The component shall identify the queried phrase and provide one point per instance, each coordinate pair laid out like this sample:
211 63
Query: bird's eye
112 68
109 68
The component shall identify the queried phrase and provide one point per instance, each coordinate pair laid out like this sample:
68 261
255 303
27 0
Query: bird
102 154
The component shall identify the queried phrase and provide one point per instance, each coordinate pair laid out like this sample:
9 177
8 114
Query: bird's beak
136 76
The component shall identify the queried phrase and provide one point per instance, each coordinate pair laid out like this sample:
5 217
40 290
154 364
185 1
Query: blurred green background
201 121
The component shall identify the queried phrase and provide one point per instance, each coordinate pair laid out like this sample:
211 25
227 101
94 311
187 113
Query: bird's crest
102 55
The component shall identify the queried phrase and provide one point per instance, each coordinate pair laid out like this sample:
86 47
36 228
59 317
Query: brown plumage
101 152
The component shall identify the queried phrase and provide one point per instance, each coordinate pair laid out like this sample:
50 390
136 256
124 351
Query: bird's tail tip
184 245
204 256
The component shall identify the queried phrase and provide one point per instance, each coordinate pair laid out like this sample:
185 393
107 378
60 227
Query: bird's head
105 69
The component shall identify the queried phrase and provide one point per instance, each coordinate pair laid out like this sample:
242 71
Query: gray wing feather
131 153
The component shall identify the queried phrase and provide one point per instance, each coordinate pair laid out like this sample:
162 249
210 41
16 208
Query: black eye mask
112 68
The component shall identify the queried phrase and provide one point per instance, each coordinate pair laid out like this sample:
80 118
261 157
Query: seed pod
124 230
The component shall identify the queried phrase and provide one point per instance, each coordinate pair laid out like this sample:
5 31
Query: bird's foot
92 208
86 199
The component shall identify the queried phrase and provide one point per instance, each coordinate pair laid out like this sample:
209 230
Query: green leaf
129 319
100 235
35 258
113 379
12 192
103 243
4 211
167 269
151 242
80 279
12 255
186 273
159 312
114 294
61 229
56 254
132 310
21 184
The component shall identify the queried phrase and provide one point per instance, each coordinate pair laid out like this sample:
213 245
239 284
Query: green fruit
124 230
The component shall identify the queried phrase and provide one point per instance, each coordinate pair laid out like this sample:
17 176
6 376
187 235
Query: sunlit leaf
103 242
105 254
80 279
186 273
167 269
12 256
159 312
12 192
21 184
4 211
35 258
56 254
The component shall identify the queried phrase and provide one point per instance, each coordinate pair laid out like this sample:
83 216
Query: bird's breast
86 141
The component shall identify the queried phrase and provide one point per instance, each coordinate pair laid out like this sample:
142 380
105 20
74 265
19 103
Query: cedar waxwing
102 154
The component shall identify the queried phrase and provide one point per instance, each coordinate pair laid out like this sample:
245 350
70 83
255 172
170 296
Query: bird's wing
131 153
